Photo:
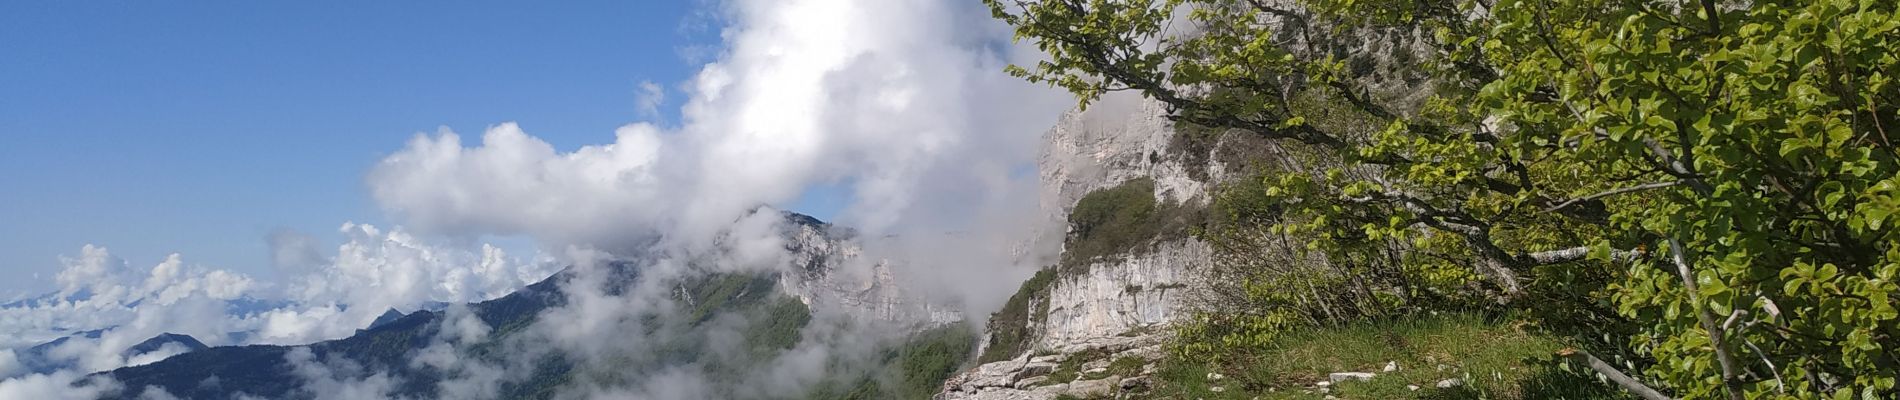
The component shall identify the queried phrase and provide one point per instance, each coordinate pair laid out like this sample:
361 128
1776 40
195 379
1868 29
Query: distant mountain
37 359
156 342
388 316
724 326
261 370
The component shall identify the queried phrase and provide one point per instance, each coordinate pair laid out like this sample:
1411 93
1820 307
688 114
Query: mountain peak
149 345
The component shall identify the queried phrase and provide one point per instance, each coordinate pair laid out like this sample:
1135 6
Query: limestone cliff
832 272
1111 307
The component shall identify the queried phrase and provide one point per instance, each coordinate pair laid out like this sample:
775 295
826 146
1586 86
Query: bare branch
1718 339
1675 166
1613 192
1576 253
1631 384
1780 386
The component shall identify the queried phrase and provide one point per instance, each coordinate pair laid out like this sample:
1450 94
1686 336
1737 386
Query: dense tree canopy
1718 176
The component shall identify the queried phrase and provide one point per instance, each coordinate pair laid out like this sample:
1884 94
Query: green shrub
911 368
930 357
1121 220
1010 327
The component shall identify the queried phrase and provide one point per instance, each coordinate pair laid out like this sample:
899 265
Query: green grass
1494 358
1071 367
1127 366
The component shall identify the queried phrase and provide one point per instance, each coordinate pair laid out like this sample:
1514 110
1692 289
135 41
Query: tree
1726 163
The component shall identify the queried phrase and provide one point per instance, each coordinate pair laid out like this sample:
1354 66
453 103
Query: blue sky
200 127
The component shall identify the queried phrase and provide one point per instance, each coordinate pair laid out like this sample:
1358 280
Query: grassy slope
1494 359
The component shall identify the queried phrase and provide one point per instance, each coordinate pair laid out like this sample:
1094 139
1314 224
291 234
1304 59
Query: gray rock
1032 369
1338 377
1099 387
1030 382
1135 384
1450 383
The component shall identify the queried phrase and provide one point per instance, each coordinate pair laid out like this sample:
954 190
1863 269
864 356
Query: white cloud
518 184
294 252
903 101
10 364
95 269
100 291
372 272
375 271
56 386
337 379
649 99
155 393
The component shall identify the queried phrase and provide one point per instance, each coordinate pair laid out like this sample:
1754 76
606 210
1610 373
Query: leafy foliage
1714 179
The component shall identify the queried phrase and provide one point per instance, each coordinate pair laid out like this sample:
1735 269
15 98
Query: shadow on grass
1452 393
1551 382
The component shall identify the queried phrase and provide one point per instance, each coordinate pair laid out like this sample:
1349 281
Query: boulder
1138 383
1095 388
1032 369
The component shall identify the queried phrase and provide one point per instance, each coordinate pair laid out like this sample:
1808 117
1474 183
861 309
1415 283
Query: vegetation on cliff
1121 220
1012 329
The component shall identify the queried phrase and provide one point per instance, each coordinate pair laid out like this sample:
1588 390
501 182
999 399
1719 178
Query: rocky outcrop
1135 293
1081 372
1116 307
1120 137
831 271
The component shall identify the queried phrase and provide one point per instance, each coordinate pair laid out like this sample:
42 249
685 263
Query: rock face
1115 308
1032 377
833 273
1122 137
1112 298
1117 139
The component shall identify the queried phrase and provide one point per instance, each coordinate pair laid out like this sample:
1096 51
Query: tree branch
1631 384
1718 338
1678 167
1613 192
1575 253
